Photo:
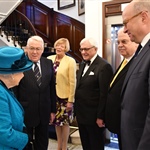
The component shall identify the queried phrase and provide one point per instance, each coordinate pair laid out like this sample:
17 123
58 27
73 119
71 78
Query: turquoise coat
11 121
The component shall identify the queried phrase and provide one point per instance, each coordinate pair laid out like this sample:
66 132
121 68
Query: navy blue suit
38 101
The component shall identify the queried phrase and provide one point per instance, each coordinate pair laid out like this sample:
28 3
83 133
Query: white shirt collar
93 58
145 40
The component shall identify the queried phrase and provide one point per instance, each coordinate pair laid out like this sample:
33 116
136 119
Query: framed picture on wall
63 4
81 7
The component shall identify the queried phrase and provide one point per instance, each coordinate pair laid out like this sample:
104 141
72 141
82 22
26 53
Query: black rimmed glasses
85 49
125 22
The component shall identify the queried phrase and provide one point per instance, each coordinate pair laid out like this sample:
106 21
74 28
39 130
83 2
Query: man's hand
52 117
100 123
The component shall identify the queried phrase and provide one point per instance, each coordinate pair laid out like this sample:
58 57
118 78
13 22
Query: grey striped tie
37 74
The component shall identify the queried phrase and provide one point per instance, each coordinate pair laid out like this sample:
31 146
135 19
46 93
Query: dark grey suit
38 102
135 112
90 100
113 105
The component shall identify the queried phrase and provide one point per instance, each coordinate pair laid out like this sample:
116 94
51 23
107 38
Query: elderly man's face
34 50
132 22
125 46
87 50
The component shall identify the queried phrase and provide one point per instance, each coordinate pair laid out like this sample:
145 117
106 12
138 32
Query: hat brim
27 67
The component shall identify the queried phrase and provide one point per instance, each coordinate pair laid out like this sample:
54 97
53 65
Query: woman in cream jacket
65 70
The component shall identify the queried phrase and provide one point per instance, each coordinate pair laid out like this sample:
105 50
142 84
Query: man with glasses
93 80
38 98
135 108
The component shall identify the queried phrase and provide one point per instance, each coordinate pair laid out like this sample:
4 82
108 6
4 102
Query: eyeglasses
85 49
127 21
35 48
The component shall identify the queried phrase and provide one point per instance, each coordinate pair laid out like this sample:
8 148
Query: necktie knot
124 63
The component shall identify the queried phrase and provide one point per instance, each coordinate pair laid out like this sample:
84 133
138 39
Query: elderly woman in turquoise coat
13 62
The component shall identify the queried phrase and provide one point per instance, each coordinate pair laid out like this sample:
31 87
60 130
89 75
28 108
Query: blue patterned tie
37 74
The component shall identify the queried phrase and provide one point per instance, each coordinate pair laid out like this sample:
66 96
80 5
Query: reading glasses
85 49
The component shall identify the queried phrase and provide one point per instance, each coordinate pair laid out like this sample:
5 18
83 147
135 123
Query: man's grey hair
91 40
36 38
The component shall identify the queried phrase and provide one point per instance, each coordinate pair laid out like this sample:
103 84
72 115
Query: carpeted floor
53 146
113 145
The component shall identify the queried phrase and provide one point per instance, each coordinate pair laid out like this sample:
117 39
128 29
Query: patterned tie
121 67
37 74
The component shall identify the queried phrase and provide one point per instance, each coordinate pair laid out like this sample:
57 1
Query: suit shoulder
46 59
103 61
51 57
69 58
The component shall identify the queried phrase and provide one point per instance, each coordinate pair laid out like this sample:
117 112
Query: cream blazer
66 77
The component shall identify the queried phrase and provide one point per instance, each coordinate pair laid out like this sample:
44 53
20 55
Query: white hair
36 38
91 40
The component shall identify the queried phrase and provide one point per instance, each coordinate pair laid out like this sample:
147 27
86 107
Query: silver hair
91 40
36 38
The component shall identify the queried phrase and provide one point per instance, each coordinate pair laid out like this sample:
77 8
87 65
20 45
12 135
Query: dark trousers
119 141
92 137
39 136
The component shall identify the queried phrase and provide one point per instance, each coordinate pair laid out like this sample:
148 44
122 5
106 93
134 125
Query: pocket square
91 73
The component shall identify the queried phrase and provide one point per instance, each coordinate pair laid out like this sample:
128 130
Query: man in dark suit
90 97
127 49
135 107
38 99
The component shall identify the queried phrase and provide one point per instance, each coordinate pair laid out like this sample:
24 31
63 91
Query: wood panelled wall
51 25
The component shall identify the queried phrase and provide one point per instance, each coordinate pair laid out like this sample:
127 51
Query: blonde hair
63 41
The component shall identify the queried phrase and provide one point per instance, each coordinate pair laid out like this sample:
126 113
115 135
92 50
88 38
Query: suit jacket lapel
80 71
91 67
124 70
43 70
135 63
30 75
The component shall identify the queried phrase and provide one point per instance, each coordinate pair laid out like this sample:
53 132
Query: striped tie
37 74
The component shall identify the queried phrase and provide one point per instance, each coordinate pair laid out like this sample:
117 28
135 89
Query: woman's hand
69 106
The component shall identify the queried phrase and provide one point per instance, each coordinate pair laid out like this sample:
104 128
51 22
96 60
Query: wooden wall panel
63 29
71 29
41 21
51 25
78 36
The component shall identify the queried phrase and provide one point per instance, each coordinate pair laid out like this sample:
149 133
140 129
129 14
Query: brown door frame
112 8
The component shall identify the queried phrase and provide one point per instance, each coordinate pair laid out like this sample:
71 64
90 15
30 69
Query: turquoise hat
13 60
